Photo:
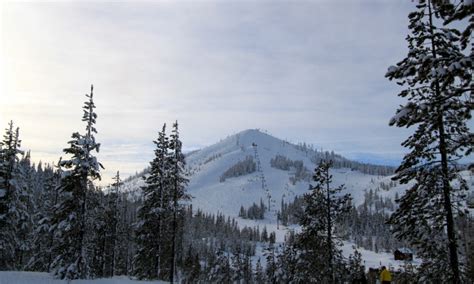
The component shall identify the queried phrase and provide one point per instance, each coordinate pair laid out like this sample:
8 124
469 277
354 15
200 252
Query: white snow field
372 259
23 277
210 195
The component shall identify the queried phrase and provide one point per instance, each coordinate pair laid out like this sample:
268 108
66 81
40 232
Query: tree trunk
174 225
452 246
329 237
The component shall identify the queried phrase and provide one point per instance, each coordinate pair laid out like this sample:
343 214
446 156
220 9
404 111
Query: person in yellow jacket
385 276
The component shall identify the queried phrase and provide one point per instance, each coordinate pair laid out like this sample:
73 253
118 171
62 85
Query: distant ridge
247 137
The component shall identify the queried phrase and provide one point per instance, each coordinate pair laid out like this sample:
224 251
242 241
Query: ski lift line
264 183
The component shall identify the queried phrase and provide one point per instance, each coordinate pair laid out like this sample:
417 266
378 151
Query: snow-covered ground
208 164
372 259
213 196
23 277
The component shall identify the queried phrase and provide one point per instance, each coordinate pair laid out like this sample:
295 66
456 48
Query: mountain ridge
206 166
272 182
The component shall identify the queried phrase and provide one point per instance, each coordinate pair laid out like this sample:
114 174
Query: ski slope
208 164
210 195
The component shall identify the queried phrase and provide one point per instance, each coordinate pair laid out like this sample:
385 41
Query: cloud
308 71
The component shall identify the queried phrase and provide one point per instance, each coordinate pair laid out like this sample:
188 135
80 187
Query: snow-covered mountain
272 185
211 193
208 164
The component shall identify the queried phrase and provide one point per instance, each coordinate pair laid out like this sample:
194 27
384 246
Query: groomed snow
24 277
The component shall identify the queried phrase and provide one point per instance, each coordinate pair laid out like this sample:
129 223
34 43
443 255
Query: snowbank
23 277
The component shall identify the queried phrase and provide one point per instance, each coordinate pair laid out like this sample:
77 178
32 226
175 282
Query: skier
385 276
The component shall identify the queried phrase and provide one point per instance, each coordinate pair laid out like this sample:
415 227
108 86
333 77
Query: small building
403 254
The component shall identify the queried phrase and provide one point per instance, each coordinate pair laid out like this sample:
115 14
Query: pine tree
259 275
23 209
237 266
155 215
96 240
111 216
356 268
43 239
124 235
438 80
317 242
220 271
271 269
451 13
247 269
177 181
9 197
191 266
288 265
69 221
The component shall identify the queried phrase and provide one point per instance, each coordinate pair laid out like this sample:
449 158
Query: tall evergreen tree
9 214
125 236
23 209
43 239
318 244
151 237
259 274
178 183
69 221
97 240
220 270
112 219
438 80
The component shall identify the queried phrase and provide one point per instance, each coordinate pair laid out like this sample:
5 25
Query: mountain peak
249 137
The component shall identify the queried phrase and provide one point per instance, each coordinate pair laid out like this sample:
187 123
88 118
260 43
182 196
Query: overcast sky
308 71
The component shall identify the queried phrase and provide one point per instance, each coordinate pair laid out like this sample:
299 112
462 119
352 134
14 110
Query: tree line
54 218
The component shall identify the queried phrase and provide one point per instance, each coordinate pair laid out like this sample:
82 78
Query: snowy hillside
270 184
207 165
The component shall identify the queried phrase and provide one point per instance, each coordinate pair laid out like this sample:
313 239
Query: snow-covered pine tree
150 234
124 243
43 238
247 269
317 242
453 12
9 214
103 217
69 221
259 274
23 210
220 270
111 219
271 273
237 266
439 90
96 240
355 268
288 265
191 268
177 182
